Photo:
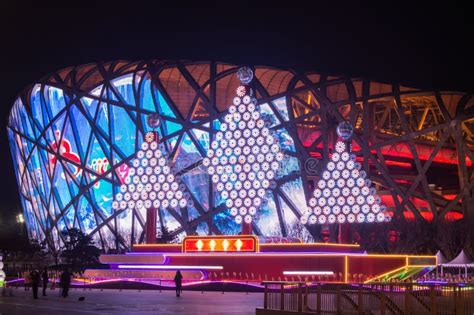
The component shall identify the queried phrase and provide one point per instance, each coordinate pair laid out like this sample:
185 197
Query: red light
392 236
397 163
428 216
228 243
444 155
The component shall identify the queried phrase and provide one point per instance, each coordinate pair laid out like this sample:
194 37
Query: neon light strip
314 273
276 253
157 245
170 267
264 254
147 253
346 268
309 244
169 283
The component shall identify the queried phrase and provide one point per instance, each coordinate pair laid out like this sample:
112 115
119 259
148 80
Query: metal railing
377 298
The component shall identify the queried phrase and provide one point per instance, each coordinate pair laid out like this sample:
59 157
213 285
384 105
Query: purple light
169 267
308 273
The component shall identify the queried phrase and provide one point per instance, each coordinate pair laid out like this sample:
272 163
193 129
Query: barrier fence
377 298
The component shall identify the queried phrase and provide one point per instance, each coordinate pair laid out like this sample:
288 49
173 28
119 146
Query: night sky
425 46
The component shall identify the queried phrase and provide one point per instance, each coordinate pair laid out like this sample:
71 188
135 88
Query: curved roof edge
274 81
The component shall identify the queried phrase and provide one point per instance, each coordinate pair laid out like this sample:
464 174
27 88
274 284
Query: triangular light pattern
344 193
151 183
244 156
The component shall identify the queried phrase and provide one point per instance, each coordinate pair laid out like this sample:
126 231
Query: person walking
45 279
27 279
178 280
35 281
65 282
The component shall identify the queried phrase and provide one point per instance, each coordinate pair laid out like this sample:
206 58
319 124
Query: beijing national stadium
209 148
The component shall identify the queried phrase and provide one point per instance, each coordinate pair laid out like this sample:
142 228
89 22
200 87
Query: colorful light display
150 183
244 156
74 136
72 154
257 261
228 243
344 193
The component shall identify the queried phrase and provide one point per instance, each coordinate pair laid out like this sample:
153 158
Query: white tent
440 258
461 261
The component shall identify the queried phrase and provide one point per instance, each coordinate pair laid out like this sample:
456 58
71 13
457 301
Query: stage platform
247 258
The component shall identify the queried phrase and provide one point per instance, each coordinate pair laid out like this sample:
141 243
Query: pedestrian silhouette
45 280
65 282
178 280
27 277
35 281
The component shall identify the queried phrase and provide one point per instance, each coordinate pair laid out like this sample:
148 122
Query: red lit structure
151 226
246 257
220 244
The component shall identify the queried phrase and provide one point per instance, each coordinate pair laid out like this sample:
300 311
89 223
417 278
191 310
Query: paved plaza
131 302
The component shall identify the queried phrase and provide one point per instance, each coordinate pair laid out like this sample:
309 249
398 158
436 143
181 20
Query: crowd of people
34 279
448 278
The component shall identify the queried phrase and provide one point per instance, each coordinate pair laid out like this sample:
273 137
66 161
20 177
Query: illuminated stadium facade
76 138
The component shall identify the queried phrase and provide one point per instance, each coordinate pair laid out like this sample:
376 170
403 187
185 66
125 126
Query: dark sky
420 45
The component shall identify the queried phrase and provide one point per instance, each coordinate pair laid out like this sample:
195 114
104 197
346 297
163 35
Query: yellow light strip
346 268
421 256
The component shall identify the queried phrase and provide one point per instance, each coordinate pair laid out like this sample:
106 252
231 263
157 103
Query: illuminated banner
224 243
99 165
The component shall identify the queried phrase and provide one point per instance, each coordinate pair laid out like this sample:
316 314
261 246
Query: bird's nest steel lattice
74 135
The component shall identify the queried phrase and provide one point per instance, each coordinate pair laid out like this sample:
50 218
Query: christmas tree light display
344 193
244 156
151 183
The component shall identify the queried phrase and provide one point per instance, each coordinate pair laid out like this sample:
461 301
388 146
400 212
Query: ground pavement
111 301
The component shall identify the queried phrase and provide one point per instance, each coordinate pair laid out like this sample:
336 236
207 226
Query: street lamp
20 219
